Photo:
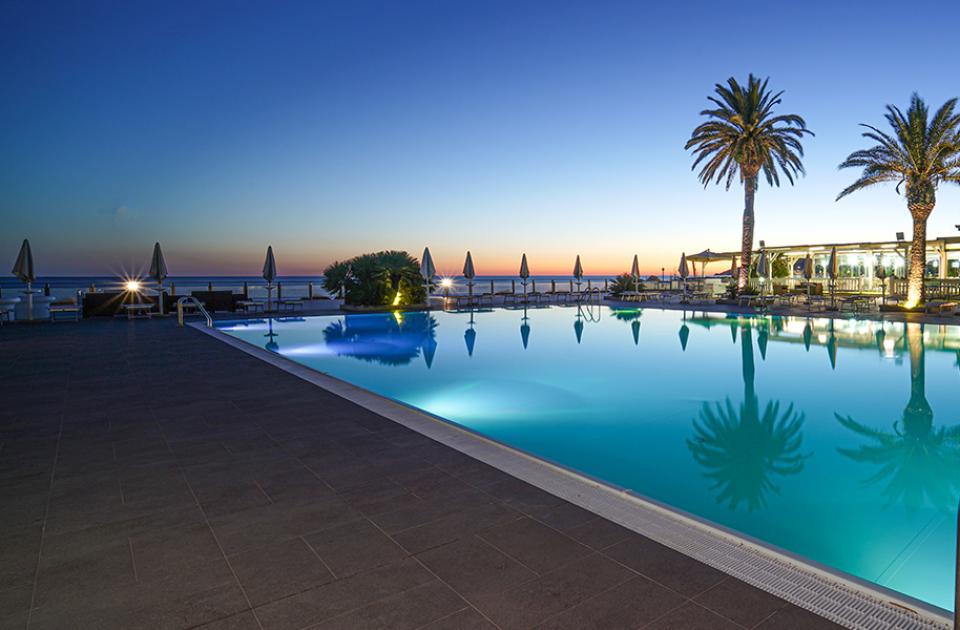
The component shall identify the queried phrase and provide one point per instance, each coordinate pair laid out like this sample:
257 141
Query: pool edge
834 595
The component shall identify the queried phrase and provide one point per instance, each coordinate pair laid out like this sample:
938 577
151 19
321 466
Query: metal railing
196 304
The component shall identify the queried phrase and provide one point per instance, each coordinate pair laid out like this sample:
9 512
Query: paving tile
599 533
275 571
14 605
535 601
740 602
795 618
19 554
91 575
318 604
405 611
354 547
629 605
242 621
690 616
474 568
190 551
565 516
268 524
534 544
665 566
456 526
523 496
466 619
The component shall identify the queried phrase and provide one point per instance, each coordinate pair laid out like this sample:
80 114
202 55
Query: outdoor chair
940 307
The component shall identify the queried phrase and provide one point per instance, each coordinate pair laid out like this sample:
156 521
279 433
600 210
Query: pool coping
834 595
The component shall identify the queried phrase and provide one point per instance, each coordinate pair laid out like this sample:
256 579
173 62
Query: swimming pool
838 440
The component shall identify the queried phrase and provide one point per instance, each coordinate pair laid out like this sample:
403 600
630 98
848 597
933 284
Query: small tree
386 278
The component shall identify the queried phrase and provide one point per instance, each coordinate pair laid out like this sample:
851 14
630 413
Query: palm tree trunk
746 245
918 254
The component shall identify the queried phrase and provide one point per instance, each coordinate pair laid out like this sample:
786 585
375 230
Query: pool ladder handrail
189 299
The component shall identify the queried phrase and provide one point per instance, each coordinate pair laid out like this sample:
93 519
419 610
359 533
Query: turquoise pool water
838 440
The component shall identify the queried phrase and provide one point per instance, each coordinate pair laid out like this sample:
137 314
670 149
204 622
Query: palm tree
919 155
743 449
744 138
919 462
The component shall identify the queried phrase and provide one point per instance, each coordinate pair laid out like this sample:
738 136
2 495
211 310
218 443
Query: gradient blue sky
328 129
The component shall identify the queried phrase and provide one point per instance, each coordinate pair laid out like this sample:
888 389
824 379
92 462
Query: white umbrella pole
160 297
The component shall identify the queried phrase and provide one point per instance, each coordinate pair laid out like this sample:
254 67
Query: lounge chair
940 307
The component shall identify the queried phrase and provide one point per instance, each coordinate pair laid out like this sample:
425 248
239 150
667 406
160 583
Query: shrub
387 278
622 284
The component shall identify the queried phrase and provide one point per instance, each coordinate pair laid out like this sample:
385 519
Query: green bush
387 278
622 284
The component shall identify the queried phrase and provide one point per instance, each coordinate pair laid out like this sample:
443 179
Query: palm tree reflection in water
743 449
919 463
384 338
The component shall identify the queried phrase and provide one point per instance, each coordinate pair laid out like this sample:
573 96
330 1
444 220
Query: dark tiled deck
152 477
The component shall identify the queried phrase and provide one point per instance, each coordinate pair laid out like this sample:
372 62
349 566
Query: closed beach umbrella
470 337
635 326
429 350
158 271
808 267
807 335
684 336
683 270
578 271
882 277
525 333
578 329
762 338
427 269
524 271
269 273
635 273
833 270
23 267
269 266
763 268
469 273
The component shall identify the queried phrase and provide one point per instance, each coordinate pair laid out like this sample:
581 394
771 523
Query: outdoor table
138 310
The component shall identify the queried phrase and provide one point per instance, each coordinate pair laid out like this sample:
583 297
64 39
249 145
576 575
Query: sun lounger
940 307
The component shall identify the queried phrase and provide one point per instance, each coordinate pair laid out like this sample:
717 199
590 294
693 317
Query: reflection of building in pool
859 262
918 463
889 338
384 338
743 449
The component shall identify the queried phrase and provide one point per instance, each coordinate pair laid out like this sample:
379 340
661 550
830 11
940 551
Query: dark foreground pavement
153 477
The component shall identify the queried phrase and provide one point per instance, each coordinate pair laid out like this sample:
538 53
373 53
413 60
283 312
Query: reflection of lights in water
822 338
398 315
315 349
888 346
795 326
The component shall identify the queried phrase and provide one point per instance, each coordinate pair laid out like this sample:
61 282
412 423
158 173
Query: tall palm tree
744 449
918 461
744 138
920 154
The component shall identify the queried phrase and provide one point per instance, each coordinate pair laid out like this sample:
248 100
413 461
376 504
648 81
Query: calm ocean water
293 286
